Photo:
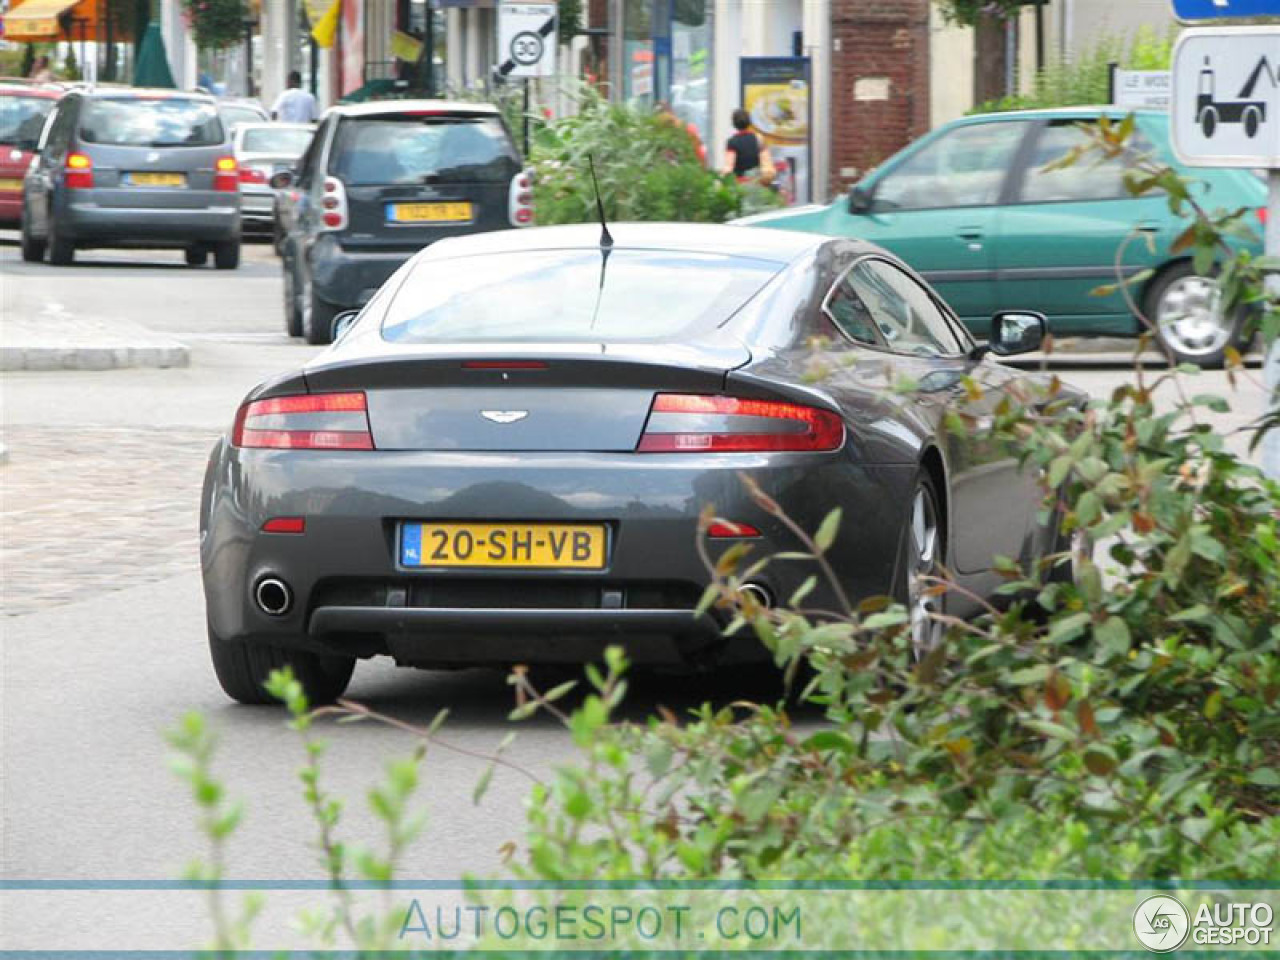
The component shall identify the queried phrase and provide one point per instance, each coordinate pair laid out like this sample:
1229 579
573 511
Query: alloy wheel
1191 317
923 605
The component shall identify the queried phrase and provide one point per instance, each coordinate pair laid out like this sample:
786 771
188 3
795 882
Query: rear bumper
257 207
349 278
126 226
351 595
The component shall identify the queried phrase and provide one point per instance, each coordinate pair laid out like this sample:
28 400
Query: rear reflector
726 530
252 175
285 525
683 423
319 421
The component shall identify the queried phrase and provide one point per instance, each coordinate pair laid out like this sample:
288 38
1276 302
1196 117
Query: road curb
161 354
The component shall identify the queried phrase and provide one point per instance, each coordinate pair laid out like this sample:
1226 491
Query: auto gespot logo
1162 924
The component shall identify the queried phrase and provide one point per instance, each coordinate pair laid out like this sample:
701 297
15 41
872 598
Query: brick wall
879 81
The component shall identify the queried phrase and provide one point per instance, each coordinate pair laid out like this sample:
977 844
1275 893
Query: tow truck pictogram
1246 110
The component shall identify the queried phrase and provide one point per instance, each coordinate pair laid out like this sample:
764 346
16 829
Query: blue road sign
1219 9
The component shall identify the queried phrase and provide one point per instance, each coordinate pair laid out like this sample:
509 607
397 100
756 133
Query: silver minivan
125 167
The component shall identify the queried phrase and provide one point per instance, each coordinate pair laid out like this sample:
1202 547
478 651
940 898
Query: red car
23 109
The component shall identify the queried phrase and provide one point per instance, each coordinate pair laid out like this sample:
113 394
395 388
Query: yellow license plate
429 212
540 545
157 179
8 184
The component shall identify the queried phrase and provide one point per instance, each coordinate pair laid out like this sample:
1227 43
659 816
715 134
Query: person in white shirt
295 105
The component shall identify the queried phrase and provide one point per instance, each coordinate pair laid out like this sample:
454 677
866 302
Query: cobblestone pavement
85 511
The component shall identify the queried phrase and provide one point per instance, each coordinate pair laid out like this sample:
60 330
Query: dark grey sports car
504 457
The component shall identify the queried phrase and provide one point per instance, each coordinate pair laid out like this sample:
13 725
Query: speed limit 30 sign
527 39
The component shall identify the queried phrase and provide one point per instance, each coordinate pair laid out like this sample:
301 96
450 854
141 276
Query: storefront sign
775 91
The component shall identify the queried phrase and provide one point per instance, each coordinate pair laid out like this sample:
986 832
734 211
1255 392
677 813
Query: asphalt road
103 629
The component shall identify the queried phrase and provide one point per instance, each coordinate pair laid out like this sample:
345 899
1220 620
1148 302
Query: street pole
526 118
1271 372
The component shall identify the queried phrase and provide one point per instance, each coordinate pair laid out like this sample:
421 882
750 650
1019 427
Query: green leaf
1265 777
1113 637
1069 627
1050 729
482 785
1213 706
658 758
1029 675
826 534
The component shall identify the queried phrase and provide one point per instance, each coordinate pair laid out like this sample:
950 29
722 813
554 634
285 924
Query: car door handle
969 233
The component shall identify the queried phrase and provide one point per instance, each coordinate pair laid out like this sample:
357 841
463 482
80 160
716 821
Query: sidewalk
56 339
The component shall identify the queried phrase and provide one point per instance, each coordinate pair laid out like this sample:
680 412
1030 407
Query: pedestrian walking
294 105
41 71
746 156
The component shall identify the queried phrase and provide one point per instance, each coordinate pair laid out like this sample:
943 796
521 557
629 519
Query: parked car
237 111
24 107
262 150
504 458
972 207
379 182
125 167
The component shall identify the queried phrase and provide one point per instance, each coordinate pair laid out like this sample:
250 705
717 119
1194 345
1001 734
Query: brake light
504 365
225 176
1262 215
315 421
334 205
285 525
252 175
79 172
520 199
682 423
727 530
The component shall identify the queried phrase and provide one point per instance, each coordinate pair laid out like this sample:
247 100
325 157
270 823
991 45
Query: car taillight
683 423
333 205
1262 215
225 175
252 175
316 421
79 172
520 200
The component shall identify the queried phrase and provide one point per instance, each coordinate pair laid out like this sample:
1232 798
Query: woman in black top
745 151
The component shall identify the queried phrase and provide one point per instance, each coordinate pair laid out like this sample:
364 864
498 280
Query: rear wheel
1189 316
32 246
62 251
921 557
196 256
226 255
317 316
243 668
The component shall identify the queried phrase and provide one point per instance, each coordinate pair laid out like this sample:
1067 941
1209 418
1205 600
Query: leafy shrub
1085 79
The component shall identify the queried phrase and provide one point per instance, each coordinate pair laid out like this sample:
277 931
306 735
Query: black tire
925 633
226 255
1208 122
1179 291
243 668
292 309
32 246
196 256
62 251
1252 118
317 318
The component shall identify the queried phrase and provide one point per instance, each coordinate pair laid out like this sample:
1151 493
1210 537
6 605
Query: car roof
44 91
274 125
375 107
144 93
761 243
1049 113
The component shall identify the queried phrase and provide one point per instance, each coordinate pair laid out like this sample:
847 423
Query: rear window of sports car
566 295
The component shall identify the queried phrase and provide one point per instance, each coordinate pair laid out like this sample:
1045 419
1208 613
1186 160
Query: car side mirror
343 322
1017 331
281 180
859 200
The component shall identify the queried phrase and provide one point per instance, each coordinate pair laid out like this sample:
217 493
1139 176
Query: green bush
1085 80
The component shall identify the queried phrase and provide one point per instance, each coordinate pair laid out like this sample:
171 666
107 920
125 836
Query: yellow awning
36 20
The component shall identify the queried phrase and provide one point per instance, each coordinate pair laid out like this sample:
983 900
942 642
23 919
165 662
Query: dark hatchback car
381 181
504 459
125 167
24 107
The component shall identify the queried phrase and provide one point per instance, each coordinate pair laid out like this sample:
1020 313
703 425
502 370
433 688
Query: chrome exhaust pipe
757 592
273 596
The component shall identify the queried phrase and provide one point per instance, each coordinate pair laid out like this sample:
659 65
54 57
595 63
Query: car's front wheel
1190 318
243 669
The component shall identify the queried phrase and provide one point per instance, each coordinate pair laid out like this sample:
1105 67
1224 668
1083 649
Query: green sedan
972 207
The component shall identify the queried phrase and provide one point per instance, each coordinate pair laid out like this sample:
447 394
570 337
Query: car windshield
414 149
282 141
233 114
568 295
22 119
139 122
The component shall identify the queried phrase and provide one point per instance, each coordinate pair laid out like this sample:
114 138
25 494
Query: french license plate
155 179
428 212
8 184
532 545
